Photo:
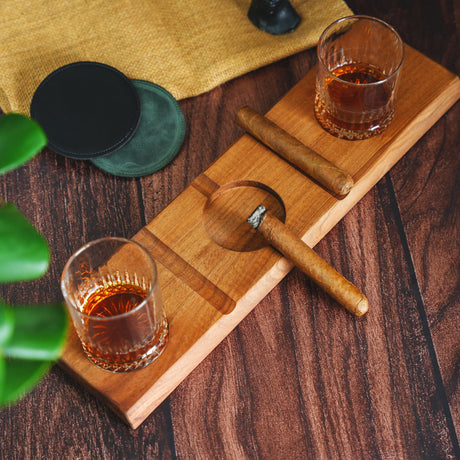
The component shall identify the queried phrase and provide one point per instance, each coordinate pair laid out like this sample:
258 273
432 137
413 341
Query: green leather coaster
157 140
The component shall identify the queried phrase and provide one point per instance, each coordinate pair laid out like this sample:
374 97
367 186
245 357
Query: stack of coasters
92 111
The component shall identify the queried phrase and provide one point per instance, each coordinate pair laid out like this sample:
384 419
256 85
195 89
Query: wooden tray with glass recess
208 289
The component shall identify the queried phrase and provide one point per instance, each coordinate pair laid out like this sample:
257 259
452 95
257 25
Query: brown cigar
326 173
315 267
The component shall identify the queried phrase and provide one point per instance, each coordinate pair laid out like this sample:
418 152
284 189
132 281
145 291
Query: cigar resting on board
291 149
314 266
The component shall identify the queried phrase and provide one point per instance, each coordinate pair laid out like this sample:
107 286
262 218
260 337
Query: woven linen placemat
187 46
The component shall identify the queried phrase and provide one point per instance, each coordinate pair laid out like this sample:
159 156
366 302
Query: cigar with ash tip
314 266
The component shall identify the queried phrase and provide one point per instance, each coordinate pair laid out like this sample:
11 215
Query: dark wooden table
298 378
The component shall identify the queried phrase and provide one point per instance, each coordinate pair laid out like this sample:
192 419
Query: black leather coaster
157 140
87 109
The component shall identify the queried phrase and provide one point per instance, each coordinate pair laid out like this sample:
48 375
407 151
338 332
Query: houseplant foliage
31 337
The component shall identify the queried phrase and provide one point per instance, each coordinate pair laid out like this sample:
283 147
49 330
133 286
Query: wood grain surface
296 379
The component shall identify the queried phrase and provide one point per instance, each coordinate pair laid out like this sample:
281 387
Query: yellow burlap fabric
186 46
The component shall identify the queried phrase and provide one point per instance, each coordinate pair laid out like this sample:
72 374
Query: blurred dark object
273 16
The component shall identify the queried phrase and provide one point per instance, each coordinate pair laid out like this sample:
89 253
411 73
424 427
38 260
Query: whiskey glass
359 65
111 290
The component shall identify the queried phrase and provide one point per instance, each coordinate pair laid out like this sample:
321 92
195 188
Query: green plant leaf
30 350
2 377
24 253
39 332
6 323
20 139
20 376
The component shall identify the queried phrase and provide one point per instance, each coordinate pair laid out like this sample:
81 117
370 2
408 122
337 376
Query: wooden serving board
207 289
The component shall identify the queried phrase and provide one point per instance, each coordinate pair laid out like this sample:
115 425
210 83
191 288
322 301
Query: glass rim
84 248
369 18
